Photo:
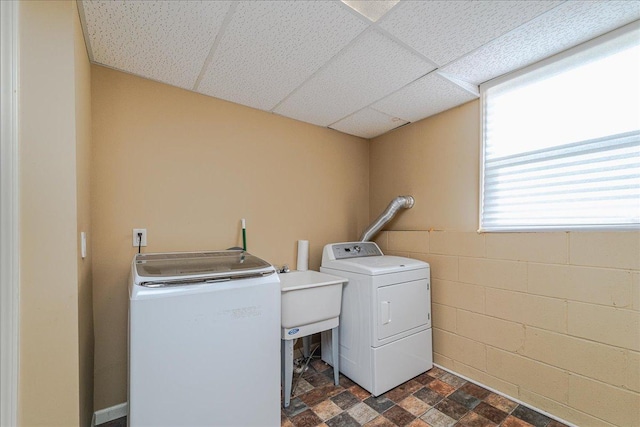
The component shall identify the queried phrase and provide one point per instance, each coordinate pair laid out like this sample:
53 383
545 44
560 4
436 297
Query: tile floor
436 398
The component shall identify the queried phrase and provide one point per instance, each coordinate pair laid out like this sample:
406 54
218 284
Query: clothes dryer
385 322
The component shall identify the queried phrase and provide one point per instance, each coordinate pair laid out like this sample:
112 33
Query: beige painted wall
552 319
55 369
187 168
442 174
83 194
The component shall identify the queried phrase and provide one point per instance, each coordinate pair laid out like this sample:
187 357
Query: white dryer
385 323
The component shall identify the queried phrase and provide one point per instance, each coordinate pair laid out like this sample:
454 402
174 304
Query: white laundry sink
310 304
309 300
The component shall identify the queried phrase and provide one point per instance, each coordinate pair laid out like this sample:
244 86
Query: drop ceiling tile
368 123
371 68
568 25
269 48
430 95
446 30
166 41
372 10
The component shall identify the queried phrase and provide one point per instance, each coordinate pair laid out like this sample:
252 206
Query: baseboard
553 417
109 414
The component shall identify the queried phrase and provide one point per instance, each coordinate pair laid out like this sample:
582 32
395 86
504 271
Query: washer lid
187 266
375 265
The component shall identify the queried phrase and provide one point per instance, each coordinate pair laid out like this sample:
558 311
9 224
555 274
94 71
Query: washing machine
385 322
204 333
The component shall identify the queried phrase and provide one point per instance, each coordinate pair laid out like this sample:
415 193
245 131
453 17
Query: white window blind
561 141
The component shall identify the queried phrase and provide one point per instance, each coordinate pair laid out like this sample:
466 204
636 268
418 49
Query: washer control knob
357 249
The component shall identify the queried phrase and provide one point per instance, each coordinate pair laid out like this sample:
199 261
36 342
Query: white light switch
83 244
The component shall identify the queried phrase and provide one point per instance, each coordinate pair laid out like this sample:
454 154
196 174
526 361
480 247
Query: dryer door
402 309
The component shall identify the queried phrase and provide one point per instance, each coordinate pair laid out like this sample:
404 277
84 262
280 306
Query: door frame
9 214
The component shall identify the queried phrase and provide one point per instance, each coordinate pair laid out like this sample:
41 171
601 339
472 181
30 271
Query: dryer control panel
355 250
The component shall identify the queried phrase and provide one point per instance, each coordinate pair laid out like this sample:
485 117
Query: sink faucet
284 269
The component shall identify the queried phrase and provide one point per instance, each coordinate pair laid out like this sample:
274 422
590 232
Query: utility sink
310 302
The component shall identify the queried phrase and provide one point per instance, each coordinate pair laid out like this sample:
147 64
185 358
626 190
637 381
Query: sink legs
286 365
306 344
335 345
287 369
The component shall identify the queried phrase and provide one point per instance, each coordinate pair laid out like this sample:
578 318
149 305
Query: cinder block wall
552 319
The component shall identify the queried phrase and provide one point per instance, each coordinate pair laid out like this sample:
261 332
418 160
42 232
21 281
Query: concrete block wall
551 319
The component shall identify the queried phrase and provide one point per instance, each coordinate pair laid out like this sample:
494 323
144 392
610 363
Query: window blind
561 142
590 183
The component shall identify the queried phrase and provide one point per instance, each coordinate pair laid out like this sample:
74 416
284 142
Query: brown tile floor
436 398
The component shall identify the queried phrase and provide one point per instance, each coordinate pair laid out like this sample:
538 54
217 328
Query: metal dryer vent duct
396 204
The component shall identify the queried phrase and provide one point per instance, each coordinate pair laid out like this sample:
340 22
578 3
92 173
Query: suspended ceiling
324 63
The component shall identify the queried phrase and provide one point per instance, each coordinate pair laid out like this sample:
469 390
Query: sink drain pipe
400 202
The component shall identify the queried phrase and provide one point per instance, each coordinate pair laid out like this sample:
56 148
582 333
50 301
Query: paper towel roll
303 255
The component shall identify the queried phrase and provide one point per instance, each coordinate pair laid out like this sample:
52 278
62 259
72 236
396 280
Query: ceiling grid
214 46
325 63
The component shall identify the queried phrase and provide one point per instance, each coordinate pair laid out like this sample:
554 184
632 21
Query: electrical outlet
135 236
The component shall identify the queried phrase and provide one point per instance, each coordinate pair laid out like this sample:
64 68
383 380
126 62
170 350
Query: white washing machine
204 333
385 323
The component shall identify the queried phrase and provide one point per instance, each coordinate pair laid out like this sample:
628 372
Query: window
561 140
